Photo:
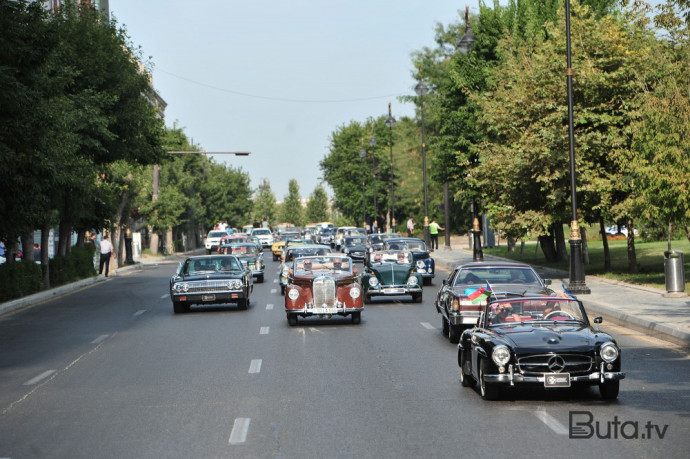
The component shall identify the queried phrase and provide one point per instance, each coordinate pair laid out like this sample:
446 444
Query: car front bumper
229 296
393 290
593 377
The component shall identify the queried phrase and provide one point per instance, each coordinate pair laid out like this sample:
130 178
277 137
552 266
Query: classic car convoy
216 279
453 301
546 341
323 286
391 273
512 329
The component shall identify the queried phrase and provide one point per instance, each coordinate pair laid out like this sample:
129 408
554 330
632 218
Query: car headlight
234 284
373 281
420 264
500 355
355 292
293 294
609 352
182 287
412 280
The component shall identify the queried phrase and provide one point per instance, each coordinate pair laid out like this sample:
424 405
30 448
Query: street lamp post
577 272
421 89
374 225
390 121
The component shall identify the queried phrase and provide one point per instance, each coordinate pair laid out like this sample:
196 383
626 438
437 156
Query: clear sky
278 77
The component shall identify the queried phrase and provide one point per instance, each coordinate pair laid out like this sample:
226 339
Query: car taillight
455 305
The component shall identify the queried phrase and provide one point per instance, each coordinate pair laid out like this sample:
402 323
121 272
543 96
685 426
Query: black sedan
454 301
354 247
216 279
544 341
426 266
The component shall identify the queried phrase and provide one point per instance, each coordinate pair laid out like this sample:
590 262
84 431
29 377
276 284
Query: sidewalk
56 292
641 308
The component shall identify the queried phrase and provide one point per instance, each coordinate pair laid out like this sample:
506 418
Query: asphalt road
109 371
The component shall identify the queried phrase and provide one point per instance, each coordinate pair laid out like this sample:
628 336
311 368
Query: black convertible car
216 279
547 341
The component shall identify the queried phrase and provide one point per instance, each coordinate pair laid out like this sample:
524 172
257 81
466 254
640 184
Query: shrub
19 279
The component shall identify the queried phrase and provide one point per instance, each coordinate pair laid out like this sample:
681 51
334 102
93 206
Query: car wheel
466 378
444 324
356 317
417 297
260 279
179 307
454 333
367 298
292 319
487 391
426 281
282 290
275 257
609 390
243 303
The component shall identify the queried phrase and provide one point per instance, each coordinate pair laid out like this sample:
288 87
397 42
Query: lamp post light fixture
390 122
577 272
421 89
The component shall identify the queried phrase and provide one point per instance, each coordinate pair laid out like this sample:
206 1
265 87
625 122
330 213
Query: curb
45 295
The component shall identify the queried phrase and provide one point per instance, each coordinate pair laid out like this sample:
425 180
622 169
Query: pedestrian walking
433 232
410 227
106 255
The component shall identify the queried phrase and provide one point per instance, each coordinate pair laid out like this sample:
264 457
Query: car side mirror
547 281
445 282
598 320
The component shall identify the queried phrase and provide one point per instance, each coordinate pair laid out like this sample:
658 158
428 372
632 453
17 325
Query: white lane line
274 290
139 312
269 307
255 366
165 296
264 330
275 281
427 325
100 339
551 422
40 377
239 431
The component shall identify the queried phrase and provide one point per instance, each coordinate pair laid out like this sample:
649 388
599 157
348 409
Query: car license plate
208 297
324 310
393 291
557 380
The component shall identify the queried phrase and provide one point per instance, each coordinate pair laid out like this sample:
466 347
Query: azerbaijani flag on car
481 293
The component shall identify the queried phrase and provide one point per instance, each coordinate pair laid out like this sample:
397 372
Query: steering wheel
560 313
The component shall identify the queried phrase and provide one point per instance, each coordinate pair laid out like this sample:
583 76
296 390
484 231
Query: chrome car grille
324 292
208 286
555 363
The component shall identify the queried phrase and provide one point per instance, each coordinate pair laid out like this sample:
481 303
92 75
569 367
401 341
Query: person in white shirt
410 227
106 255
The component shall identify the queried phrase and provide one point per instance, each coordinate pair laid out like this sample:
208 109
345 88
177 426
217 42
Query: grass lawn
650 258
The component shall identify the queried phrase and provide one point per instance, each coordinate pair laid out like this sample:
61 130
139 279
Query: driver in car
503 312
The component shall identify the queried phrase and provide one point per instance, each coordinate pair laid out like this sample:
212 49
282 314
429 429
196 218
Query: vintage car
232 239
545 341
375 240
422 257
279 242
453 301
343 231
391 273
325 236
354 247
295 249
215 279
264 235
323 286
249 255
212 240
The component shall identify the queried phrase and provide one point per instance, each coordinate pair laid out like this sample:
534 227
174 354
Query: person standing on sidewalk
106 255
433 232
410 227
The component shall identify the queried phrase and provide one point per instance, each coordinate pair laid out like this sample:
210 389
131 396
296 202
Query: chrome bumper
595 377
464 319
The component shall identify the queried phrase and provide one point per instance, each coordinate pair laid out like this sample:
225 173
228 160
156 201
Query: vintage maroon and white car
323 286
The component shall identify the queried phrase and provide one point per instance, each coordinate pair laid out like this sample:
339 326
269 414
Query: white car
264 235
212 240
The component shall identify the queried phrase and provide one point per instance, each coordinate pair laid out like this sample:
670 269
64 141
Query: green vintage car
391 273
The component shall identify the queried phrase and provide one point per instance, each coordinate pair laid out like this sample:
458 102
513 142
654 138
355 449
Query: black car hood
205 276
550 337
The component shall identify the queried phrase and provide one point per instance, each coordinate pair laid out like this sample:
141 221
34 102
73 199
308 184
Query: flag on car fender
480 294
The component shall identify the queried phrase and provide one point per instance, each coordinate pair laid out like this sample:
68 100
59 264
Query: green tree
292 210
317 205
265 202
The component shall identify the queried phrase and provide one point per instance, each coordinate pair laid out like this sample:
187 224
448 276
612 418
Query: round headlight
420 264
412 280
609 352
373 281
355 292
500 355
293 294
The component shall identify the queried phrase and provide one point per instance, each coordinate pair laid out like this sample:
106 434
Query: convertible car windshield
502 275
306 266
534 309
211 265
243 250
391 256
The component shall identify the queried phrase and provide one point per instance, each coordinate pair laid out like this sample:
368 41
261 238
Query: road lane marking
255 366
269 307
264 330
427 325
165 296
139 312
551 422
100 339
275 281
40 377
240 428
274 290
